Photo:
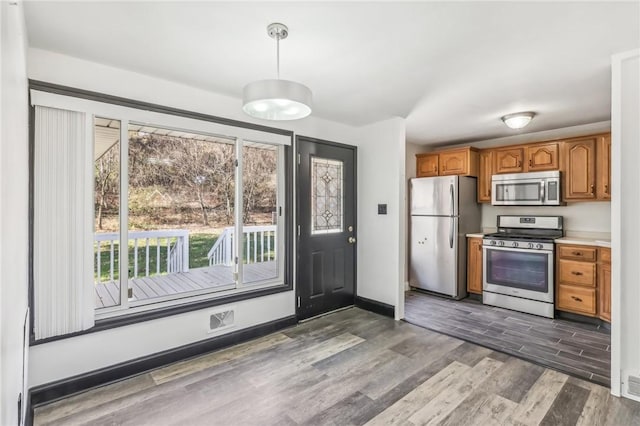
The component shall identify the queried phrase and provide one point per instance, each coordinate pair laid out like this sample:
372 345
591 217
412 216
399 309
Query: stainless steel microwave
526 189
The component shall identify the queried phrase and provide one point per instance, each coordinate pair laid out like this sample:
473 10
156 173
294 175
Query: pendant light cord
278 53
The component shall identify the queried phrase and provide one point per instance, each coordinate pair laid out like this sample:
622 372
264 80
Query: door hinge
298 158
280 211
236 260
236 162
298 301
298 230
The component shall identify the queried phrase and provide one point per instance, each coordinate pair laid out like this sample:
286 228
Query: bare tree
106 182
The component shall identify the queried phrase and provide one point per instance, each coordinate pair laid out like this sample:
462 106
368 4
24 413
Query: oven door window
518 269
529 191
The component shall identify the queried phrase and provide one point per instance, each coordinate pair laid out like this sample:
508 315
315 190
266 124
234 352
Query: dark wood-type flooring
579 349
349 368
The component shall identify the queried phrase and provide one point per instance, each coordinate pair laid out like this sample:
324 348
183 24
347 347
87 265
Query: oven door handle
547 252
542 191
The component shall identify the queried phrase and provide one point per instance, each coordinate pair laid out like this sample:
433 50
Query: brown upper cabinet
580 169
461 161
484 176
539 157
542 157
603 168
427 165
508 160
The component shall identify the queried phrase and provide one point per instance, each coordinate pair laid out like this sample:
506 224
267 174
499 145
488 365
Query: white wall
14 162
381 255
381 180
76 355
625 191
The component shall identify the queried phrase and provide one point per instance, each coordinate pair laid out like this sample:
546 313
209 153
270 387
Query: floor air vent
634 386
221 319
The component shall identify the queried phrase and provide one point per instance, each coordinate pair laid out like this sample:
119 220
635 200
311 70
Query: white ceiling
452 69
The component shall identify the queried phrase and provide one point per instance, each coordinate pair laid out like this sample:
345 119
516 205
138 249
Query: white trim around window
126 116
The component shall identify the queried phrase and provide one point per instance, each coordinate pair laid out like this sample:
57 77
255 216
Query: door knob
351 240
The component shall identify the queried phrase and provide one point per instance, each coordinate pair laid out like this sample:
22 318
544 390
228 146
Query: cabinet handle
576 273
577 299
576 253
530 163
479 247
592 189
606 188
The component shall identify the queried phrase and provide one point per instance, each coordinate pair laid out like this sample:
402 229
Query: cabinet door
580 168
508 160
427 165
603 172
542 157
454 163
474 265
484 177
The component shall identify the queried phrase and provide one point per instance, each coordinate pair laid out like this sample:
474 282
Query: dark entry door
327 226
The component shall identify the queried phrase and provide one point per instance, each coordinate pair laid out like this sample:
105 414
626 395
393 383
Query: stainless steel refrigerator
443 211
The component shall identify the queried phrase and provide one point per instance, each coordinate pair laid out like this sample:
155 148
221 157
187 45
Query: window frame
131 111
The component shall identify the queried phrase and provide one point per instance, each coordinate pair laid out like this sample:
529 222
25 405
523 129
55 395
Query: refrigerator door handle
451 194
451 230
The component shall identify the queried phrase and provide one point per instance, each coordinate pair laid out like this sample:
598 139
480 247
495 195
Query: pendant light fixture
277 99
518 120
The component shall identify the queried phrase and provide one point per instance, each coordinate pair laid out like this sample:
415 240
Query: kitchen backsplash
579 218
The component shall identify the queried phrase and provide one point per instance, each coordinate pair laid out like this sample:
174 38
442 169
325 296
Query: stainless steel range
518 264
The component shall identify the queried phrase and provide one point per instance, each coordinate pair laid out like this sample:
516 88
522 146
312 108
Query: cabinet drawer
577 273
605 255
577 253
576 299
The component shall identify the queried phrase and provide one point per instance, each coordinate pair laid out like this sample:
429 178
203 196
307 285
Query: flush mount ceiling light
277 99
518 120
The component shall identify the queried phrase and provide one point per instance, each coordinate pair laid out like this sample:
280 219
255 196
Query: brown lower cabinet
583 277
474 265
604 285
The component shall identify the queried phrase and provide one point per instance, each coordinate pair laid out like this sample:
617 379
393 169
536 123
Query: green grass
199 246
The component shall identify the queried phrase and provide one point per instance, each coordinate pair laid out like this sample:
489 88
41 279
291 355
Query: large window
183 210
185 235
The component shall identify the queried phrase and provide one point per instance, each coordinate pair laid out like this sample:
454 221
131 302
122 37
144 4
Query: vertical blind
63 223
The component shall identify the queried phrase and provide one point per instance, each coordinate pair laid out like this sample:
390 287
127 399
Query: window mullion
239 240
123 253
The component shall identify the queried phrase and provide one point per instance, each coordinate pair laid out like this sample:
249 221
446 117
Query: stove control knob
539 246
531 245
514 244
492 242
500 243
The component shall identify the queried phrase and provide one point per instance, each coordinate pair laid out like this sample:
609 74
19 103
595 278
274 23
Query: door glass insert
518 191
527 271
327 192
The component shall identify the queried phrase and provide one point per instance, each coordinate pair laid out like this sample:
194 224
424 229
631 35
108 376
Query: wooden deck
220 277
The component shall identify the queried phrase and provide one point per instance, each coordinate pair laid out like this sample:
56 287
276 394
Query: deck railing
259 245
163 251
